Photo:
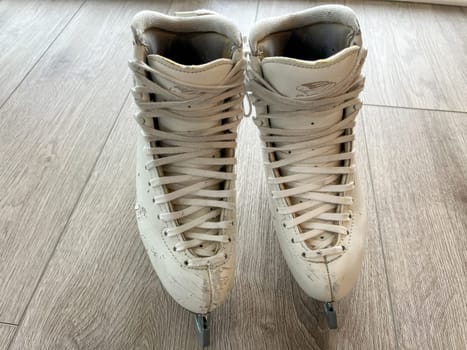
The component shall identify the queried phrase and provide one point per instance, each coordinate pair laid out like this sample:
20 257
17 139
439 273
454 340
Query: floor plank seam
383 253
78 200
8 324
42 55
415 108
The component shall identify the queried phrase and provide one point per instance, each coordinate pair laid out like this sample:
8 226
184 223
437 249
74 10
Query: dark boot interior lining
192 48
317 41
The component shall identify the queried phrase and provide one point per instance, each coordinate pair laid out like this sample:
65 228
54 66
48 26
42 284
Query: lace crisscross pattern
194 168
317 193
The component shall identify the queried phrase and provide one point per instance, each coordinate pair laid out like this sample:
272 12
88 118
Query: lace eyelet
164 232
284 225
304 255
292 240
186 262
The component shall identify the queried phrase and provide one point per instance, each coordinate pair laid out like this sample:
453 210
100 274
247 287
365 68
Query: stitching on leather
210 289
329 280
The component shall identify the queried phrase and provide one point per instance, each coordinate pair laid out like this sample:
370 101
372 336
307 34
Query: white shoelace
193 174
319 209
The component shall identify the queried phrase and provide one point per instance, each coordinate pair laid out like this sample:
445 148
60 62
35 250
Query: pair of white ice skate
304 77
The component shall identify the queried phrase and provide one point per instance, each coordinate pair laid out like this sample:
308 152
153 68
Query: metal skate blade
331 316
202 329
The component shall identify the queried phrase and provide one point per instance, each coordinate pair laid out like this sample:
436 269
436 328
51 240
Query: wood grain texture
418 165
100 291
366 316
417 54
27 28
6 334
51 133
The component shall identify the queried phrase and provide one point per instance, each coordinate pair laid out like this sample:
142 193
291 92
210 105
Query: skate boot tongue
298 78
211 73
175 74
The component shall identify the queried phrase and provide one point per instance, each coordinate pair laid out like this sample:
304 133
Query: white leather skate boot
188 76
304 75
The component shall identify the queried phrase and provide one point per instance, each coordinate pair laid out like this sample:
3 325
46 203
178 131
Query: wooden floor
73 272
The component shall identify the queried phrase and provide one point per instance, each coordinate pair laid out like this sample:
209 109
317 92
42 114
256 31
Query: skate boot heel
203 332
331 317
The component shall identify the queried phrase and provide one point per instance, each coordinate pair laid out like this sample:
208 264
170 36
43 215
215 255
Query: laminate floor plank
6 334
417 56
51 133
27 28
418 166
99 291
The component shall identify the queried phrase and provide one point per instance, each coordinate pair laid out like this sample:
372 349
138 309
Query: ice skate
304 74
188 76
